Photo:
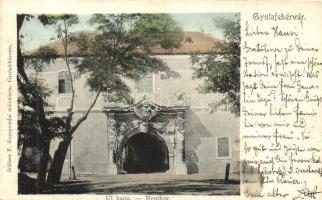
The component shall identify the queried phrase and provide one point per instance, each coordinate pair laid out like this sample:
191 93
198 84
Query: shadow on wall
194 131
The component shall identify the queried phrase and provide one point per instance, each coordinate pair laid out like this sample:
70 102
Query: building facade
170 127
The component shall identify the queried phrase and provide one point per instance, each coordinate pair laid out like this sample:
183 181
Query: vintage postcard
161 100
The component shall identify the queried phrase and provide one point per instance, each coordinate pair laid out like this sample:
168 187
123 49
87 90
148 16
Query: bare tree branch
65 44
84 117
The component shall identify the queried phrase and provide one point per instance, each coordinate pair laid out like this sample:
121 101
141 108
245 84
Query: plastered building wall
202 127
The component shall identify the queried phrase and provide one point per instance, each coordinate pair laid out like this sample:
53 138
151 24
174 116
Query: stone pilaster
112 137
179 165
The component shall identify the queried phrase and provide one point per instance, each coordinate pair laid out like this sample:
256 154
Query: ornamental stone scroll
112 132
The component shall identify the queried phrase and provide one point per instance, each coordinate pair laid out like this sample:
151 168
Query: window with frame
64 83
223 147
144 84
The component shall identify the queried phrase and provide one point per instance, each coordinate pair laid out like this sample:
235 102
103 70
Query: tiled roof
192 43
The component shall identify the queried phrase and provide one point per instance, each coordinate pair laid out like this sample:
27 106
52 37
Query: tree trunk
42 166
38 105
56 167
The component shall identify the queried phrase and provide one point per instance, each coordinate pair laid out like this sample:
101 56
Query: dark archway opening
145 153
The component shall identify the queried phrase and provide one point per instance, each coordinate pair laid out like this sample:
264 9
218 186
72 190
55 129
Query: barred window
144 84
223 147
64 82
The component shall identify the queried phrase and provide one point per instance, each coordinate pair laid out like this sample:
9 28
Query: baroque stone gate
145 138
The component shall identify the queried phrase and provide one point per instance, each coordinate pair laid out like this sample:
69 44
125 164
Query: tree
62 24
221 71
33 95
38 126
121 48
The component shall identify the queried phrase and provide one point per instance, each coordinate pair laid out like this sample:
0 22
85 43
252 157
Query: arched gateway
144 153
146 138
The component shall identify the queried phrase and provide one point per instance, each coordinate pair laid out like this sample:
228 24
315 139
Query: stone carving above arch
159 127
145 110
165 123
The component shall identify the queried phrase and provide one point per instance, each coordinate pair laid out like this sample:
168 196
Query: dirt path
197 184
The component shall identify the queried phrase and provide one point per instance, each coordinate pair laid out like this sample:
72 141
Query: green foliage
28 128
36 126
44 56
157 30
29 132
33 94
221 72
62 23
55 19
122 49
29 86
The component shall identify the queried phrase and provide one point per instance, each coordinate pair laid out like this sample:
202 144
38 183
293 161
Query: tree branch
24 92
65 44
84 117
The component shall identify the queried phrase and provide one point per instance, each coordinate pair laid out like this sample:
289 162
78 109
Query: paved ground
196 184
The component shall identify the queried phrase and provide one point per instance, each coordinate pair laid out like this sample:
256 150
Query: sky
35 34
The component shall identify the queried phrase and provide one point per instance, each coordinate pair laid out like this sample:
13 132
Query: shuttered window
64 82
223 147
